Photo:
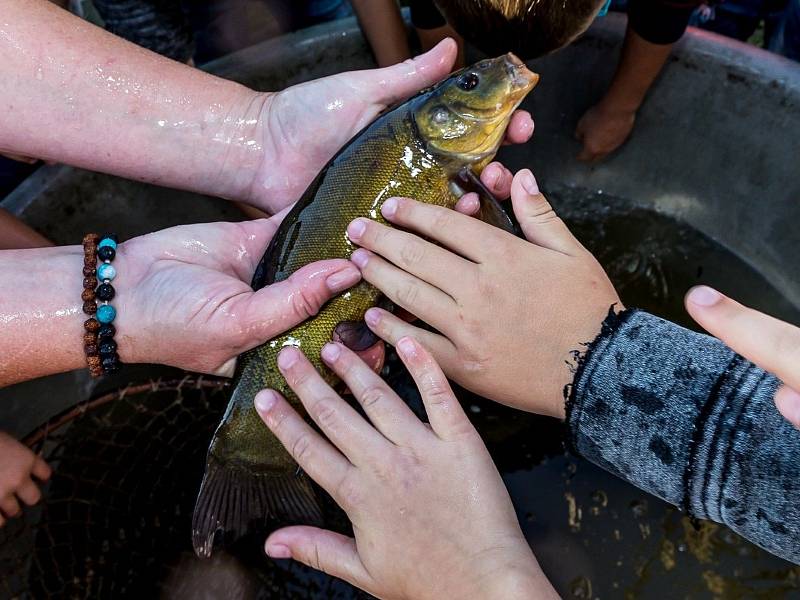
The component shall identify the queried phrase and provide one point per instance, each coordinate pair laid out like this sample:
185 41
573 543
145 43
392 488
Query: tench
431 148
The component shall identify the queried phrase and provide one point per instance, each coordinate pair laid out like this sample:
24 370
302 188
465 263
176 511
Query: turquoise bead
107 242
105 313
106 271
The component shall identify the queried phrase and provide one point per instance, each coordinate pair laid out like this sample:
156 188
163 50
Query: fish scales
394 156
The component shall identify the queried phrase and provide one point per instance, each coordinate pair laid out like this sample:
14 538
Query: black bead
105 291
106 330
111 363
107 347
106 253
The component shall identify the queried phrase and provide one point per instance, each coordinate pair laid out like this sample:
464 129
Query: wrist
519 582
612 107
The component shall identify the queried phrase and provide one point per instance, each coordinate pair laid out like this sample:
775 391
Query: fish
431 147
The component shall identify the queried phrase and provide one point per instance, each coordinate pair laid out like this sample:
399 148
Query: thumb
395 83
326 551
282 305
536 217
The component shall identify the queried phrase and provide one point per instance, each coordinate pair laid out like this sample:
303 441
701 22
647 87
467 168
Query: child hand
20 469
430 513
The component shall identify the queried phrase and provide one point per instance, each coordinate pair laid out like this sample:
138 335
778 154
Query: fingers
445 414
536 217
280 306
41 470
787 401
29 493
326 551
497 179
409 252
471 238
407 291
392 329
385 410
343 426
468 204
776 347
10 507
315 455
395 83
520 128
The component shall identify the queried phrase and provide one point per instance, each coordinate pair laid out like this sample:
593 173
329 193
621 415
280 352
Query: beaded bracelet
106 346
98 341
91 325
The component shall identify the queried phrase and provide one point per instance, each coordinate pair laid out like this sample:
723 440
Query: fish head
464 118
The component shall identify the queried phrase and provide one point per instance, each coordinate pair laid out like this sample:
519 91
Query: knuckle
407 294
325 413
349 493
370 397
301 448
442 219
412 253
304 304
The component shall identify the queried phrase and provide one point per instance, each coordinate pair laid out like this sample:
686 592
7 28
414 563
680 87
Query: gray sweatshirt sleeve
683 417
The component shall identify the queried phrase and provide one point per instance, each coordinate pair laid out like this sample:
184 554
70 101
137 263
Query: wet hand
602 131
184 297
431 516
772 344
509 313
306 124
20 472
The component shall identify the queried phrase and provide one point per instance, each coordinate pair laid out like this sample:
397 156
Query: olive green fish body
387 161
415 150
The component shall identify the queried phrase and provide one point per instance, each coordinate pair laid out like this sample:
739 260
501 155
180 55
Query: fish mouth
523 80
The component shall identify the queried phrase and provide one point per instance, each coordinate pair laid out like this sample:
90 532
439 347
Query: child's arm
385 30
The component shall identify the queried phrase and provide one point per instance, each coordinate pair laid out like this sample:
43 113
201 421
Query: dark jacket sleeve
660 21
683 417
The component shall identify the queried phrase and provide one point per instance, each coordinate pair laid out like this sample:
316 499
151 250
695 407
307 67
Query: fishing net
116 515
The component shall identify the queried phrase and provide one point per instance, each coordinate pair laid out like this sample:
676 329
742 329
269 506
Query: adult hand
510 314
306 124
20 469
431 516
603 130
772 344
184 297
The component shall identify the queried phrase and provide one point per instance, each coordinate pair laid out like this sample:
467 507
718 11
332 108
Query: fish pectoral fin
490 211
231 499
355 335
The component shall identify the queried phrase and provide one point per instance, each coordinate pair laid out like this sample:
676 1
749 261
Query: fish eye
440 115
468 81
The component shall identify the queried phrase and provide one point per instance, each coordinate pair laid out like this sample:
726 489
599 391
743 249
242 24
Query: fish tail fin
232 498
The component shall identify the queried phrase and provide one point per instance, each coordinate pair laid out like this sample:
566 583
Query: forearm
384 29
640 63
41 318
76 94
681 416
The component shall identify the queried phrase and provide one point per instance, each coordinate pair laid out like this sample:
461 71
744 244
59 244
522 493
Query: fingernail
372 317
356 229
702 295
343 279
278 551
389 208
287 358
529 183
360 257
265 400
407 347
330 352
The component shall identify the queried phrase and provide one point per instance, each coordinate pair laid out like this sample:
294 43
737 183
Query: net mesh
117 512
